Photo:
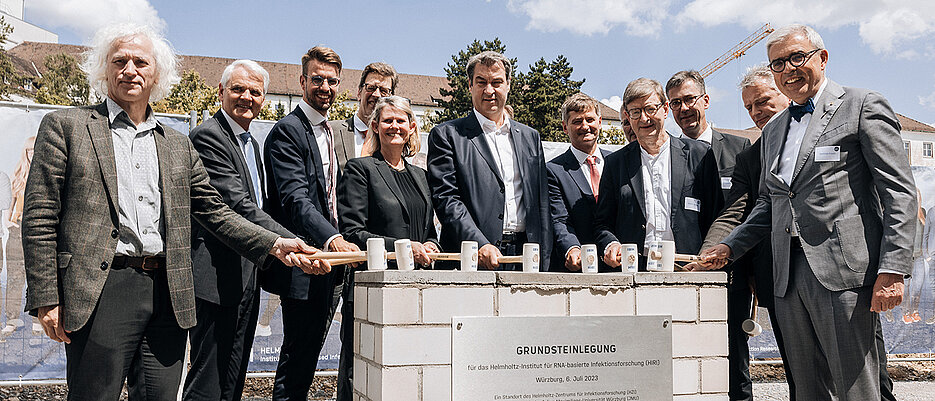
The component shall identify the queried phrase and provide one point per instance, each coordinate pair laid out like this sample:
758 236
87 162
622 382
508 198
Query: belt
139 262
511 237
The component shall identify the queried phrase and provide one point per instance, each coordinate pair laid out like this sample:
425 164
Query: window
907 148
927 150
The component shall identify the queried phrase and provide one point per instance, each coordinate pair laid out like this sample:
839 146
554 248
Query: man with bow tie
839 201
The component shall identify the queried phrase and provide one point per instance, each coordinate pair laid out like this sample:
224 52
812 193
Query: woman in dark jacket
380 194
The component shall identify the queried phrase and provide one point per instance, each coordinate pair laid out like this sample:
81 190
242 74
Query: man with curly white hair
109 203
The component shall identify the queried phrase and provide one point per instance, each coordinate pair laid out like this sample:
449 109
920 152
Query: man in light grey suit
839 201
109 202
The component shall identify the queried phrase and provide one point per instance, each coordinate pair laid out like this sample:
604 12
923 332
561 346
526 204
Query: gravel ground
914 381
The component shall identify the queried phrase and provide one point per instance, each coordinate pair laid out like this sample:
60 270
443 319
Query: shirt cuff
569 251
881 271
328 242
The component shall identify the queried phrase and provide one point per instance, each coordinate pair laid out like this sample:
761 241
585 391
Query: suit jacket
743 194
212 260
853 214
370 203
70 221
726 147
572 204
297 199
344 140
468 192
620 207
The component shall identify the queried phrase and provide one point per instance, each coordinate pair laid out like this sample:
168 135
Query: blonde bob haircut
372 142
165 59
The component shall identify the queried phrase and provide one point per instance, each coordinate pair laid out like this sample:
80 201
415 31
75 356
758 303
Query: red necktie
595 176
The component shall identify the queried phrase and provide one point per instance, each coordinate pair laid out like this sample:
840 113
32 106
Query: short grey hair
640 88
488 58
795 29
249 65
755 74
682 76
96 58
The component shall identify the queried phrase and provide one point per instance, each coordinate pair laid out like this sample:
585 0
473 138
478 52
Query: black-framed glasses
796 59
374 88
689 101
318 80
650 110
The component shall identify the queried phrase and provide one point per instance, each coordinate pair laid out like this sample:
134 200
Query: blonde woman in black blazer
380 194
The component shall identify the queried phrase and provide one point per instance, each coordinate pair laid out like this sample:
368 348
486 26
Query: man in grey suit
376 80
227 303
839 202
107 225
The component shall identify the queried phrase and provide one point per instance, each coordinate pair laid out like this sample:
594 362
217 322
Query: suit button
643 226
103 265
791 195
787 230
114 234
501 190
500 216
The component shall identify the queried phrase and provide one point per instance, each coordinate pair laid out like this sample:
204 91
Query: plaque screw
665 323
459 326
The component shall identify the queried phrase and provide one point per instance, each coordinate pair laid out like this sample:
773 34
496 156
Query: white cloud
886 26
614 102
928 101
84 17
589 17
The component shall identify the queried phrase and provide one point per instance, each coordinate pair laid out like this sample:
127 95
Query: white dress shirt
500 140
360 134
583 162
790 151
706 135
237 131
657 194
321 139
139 198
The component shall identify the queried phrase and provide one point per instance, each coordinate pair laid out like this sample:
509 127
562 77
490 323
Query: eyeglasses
796 59
689 101
318 80
650 110
373 88
239 90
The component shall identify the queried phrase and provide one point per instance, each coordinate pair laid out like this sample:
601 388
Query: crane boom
737 51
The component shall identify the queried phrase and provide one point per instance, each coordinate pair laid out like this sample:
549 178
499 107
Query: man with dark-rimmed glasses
659 188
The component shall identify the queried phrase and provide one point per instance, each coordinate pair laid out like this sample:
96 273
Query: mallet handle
444 256
656 255
510 259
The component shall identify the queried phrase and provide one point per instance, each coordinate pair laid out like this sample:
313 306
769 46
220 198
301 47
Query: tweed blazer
70 220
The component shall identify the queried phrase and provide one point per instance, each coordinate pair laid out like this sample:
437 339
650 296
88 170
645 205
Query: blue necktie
799 110
250 156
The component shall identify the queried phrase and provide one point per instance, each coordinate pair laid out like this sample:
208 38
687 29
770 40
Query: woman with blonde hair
13 248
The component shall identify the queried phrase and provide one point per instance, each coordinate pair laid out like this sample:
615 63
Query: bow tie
799 110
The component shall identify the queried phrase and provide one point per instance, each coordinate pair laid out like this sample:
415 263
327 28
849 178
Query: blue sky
885 45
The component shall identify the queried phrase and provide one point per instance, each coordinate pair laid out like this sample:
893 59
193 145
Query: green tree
341 110
10 79
456 101
612 136
272 113
538 96
191 93
63 82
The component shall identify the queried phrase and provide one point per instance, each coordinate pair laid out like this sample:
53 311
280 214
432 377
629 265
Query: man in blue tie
226 290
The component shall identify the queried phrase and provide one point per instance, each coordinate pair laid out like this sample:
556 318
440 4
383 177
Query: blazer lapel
350 137
775 140
238 154
825 107
633 164
313 151
679 172
387 175
165 157
521 151
576 172
103 142
476 135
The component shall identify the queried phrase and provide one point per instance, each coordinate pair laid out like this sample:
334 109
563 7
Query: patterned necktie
332 174
799 110
252 165
595 175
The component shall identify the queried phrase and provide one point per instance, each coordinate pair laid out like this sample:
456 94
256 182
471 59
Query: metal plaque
578 358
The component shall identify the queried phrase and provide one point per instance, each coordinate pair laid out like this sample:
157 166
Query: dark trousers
305 324
739 302
511 245
132 334
346 364
221 343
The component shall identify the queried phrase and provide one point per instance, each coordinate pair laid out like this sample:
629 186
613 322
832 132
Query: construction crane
737 50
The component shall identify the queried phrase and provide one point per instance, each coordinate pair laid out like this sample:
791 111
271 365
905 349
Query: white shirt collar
706 135
114 110
489 126
236 128
663 150
314 117
582 157
360 125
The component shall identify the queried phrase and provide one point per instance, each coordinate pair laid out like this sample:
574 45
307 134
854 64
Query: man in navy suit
487 173
302 171
657 188
574 178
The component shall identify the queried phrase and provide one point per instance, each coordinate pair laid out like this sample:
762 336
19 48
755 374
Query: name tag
828 153
692 204
725 183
